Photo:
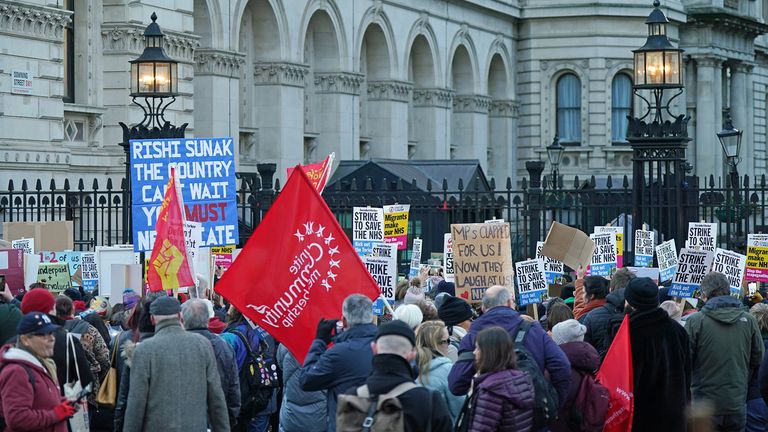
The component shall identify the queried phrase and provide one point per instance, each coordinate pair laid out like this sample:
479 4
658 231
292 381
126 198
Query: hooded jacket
337 369
423 409
504 402
28 406
584 361
301 411
549 357
726 345
437 380
661 362
10 315
598 322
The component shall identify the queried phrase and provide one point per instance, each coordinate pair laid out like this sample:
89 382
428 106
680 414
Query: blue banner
531 297
667 273
682 289
601 269
643 260
205 168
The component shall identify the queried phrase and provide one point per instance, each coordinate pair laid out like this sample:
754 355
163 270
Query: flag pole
387 305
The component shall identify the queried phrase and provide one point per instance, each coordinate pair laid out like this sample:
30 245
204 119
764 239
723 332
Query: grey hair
500 299
760 312
714 285
357 309
195 314
394 344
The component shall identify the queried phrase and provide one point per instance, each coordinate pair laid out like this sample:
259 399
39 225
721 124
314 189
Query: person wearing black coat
603 323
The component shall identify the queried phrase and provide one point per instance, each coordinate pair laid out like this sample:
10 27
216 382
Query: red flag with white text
318 172
169 265
297 267
617 375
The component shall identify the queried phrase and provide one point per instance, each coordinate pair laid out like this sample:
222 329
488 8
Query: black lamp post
555 155
154 78
730 140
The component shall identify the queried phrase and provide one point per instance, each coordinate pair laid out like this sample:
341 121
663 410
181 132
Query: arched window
569 109
621 96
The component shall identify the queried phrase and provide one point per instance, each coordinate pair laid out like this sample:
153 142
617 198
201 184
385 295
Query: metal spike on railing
429 185
353 185
368 184
10 185
711 181
38 185
524 183
277 185
592 182
492 184
625 184
762 181
384 184
576 182
95 184
53 185
66 185
509 183
746 180
609 182
24 185
414 185
80 185
445 184
109 184
123 184
461 184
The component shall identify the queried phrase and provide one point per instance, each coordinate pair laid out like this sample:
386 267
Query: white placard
25 244
89 269
531 281
367 228
666 254
645 243
415 258
383 269
732 265
552 267
702 236
692 266
193 238
106 256
604 257
449 273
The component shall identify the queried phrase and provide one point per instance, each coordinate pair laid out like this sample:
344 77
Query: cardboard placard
106 256
702 236
757 258
666 254
645 243
732 265
396 225
553 269
55 276
415 258
692 266
482 257
71 258
569 245
25 244
649 272
618 231
604 258
531 281
449 272
367 228
51 235
12 267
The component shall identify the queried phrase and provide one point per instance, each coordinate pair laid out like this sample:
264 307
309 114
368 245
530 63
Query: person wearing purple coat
498 311
502 399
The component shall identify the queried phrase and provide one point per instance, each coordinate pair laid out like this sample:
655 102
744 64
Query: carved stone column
337 99
432 117
709 105
469 127
388 118
502 141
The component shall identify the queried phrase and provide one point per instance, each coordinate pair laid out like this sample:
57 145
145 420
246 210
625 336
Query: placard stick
386 304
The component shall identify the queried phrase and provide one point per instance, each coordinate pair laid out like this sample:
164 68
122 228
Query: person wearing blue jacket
348 362
300 411
498 311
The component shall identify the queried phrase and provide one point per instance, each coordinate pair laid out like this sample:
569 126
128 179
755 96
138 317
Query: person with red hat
41 300
28 393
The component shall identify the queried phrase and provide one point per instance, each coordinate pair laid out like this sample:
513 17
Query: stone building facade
292 80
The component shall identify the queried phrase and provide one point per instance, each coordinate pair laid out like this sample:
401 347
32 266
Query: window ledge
83 109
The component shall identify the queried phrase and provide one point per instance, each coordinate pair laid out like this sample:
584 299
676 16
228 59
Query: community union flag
169 266
617 375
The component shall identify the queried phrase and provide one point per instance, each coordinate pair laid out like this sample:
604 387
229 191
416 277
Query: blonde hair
428 337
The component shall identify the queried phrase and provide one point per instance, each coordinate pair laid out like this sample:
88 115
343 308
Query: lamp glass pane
640 68
654 67
146 77
672 72
174 78
162 77
134 77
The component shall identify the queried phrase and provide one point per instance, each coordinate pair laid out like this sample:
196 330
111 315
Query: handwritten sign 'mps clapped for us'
205 168
482 257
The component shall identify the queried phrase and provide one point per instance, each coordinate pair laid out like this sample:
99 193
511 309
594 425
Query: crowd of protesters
182 363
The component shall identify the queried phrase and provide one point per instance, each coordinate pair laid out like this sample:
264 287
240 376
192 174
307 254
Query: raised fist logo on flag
297 267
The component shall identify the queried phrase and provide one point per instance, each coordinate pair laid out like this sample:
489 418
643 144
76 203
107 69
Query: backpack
362 412
545 397
258 378
465 415
590 406
31 380
76 327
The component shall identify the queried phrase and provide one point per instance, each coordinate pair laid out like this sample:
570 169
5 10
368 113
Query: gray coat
174 384
301 411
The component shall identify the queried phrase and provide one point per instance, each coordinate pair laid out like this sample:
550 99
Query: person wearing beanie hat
727 347
409 314
585 361
457 315
38 300
671 307
446 287
130 298
160 372
73 294
661 355
31 398
413 296
394 349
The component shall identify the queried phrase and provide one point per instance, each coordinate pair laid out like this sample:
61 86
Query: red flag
297 267
318 172
169 266
617 376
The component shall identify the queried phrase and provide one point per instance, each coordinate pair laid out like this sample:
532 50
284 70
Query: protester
673 309
446 287
239 333
96 350
556 314
394 349
428 310
10 315
591 292
301 411
585 361
29 395
457 316
603 322
757 410
503 396
726 346
661 360
174 381
498 311
409 314
432 342
195 315
41 300
415 293
348 362
98 315
400 290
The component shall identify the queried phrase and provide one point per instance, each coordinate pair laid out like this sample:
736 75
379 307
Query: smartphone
2 281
